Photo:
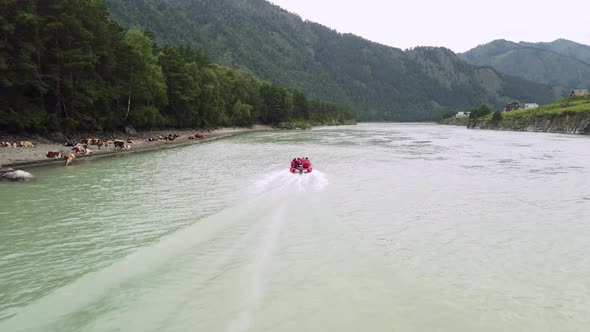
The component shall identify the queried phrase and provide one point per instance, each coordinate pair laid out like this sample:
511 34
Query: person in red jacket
306 163
294 163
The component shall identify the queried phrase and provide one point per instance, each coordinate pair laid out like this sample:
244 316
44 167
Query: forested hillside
561 63
65 66
383 83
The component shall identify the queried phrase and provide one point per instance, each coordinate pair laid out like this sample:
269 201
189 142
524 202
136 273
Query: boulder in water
16 176
6 170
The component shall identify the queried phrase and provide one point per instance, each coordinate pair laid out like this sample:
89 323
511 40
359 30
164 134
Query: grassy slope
565 106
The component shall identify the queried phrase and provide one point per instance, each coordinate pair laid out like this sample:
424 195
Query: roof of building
579 92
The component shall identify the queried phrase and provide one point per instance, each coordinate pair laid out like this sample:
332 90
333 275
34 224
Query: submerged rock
16 176
6 170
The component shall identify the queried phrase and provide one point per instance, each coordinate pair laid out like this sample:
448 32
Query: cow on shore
53 154
119 144
26 144
102 143
81 149
171 137
197 136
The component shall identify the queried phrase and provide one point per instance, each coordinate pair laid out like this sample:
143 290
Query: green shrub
497 117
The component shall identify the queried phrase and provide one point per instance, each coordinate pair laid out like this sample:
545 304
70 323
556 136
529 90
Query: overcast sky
457 24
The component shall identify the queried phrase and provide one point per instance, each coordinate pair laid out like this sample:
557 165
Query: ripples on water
399 227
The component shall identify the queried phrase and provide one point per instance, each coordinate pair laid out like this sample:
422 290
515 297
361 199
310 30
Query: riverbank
578 123
36 156
568 116
455 121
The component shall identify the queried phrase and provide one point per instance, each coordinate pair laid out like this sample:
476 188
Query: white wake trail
284 180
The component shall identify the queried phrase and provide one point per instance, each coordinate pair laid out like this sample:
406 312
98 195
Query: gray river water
401 227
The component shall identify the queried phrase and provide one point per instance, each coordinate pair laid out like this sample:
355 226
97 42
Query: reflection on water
407 227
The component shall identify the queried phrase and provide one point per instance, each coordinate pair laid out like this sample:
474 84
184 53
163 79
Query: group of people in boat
300 164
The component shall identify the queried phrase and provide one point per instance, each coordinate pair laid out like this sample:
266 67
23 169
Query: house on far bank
579 92
513 106
460 115
530 105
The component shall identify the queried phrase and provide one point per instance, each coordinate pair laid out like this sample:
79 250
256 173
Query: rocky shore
577 123
565 123
454 121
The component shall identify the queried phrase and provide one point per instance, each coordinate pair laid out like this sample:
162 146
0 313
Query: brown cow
69 158
53 154
197 136
171 137
102 143
81 149
26 144
119 144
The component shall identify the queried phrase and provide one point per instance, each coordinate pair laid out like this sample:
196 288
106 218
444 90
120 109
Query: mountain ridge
383 82
562 63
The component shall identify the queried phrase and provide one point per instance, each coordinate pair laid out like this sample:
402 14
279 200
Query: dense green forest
66 66
562 64
382 83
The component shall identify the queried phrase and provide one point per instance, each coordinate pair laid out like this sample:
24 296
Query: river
400 227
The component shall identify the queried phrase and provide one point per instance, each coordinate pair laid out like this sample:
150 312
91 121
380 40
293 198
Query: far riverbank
567 116
576 123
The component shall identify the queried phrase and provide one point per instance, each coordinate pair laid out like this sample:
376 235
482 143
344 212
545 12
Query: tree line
65 66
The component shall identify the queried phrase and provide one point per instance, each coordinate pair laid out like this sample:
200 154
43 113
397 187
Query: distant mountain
560 63
382 83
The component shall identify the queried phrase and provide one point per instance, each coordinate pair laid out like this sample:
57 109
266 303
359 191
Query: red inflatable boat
301 169
300 165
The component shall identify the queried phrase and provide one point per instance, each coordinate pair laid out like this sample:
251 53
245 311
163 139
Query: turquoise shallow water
408 227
